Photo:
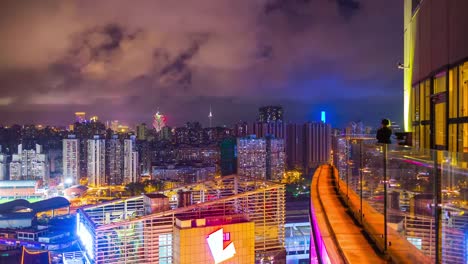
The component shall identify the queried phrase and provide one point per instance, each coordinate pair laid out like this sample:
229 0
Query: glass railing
404 194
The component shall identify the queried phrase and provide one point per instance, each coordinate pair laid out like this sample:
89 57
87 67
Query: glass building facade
436 74
439 110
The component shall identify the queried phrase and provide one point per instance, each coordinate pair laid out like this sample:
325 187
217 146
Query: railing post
361 165
348 140
437 208
385 157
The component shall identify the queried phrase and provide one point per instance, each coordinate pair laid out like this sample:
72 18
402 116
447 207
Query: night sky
126 59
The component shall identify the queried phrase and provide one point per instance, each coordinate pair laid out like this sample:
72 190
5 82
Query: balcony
390 203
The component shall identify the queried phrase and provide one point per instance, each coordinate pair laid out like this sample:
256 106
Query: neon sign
218 251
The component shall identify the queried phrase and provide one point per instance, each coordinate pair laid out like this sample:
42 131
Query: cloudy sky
125 59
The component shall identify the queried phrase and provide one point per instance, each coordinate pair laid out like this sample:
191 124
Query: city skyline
307 56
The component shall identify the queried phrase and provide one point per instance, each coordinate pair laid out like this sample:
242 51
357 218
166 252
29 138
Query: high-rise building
141 131
435 70
228 156
114 125
270 113
261 158
94 119
71 160
276 129
210 117
3 166
144 157
96 161
115 160
80 117
165 133
295 146
131 164
317 150
29 165
241 129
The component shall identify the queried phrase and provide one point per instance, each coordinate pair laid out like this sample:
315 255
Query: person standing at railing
384 133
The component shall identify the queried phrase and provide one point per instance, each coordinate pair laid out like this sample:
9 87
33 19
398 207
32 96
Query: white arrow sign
219 253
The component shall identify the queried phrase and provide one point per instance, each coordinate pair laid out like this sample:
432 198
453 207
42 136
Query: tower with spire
210 117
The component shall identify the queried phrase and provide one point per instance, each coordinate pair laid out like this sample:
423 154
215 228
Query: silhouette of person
384 133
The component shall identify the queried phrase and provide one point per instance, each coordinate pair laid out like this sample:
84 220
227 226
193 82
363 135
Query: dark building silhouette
269 114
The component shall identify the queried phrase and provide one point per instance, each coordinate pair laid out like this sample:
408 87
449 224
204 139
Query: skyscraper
228 156
270 113
114 125
3 164
317 138
276 129
130 155
141 131
261 158
114 160
29 165
165 133
80 117
210 117
96 161
241 129
295 143
71 160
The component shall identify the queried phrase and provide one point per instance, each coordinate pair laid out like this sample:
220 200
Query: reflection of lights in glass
69 181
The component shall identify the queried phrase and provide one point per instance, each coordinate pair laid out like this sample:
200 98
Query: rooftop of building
206 199
16 216
297 211
36 207
155 195
12 184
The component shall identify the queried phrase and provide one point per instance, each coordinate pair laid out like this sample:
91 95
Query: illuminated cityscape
266 132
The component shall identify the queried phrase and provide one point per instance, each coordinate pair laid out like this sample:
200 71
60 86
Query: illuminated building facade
270 113
261 158
71 160
141 131
114 125
241 129
233 219
130 161
114 160
184 173
3 166
96 161
29 165
436 74
94 119
165 133
159 121
80 117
